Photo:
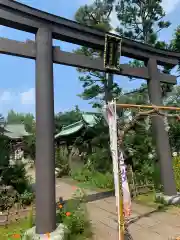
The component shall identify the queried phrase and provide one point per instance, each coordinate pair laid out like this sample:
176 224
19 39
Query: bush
26 198
8 198
61 162
82 175
5 152
74 216
94 178
31 220
104 181
157 178
16 176
176 168
100 160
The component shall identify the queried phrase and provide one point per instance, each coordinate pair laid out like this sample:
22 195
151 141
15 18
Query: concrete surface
146 223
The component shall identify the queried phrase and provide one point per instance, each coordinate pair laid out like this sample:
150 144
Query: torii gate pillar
161 136
45 160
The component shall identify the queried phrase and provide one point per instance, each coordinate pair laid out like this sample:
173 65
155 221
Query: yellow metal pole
121 202
121 207
121 220
147 106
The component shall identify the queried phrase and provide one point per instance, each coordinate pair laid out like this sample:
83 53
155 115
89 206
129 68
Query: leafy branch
128 126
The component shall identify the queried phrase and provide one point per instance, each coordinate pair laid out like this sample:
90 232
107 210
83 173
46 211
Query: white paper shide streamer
118 160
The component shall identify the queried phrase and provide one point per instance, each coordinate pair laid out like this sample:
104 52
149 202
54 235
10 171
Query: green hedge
73 214
94 178
176 167
105 180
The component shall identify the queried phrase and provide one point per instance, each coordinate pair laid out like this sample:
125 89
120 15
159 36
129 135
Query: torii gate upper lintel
46 27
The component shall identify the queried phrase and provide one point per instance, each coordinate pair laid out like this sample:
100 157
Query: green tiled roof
15 131
88 120
70 129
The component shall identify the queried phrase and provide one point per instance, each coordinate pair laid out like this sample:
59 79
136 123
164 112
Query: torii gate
47 27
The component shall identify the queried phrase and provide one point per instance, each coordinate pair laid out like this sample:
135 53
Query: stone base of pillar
169 200
58 234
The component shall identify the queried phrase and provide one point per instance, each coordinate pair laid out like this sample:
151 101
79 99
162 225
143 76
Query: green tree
137 141
4 146
10 175
17 118
175 43
29 123
67 118
96 85
174 98
174 122
2 120
142 21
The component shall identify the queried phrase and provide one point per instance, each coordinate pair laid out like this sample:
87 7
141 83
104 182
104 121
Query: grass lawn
88 185
149 200
14 230
83 185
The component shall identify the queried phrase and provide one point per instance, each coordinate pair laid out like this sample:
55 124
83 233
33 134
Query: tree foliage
175 43
67 118
29 123
141 20
96 85
174 124
96 15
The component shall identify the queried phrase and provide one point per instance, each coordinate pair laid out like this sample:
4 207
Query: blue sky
18 74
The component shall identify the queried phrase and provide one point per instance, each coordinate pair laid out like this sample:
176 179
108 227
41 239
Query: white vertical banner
111 118
122 192
112 121
125 186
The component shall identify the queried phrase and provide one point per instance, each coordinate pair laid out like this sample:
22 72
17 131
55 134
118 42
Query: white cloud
28 97
24 98
6 96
